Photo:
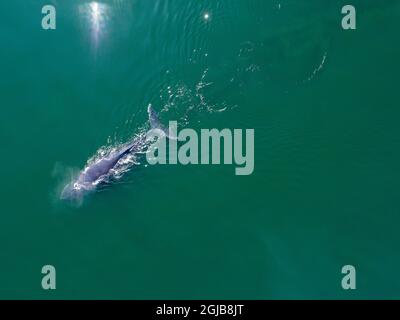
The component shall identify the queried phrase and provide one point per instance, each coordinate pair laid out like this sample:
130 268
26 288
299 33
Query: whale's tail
156 124
153 118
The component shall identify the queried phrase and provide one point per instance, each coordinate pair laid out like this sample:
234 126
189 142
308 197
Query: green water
324 104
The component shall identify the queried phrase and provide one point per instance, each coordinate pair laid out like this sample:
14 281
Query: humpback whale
91 176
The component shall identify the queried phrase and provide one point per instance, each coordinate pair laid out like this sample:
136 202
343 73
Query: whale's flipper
155 123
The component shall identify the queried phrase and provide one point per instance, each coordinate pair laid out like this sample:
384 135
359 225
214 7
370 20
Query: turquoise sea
324 104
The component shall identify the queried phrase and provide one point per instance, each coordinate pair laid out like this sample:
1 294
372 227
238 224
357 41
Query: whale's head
73 192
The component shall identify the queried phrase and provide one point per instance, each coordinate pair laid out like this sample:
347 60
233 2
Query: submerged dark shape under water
100 170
